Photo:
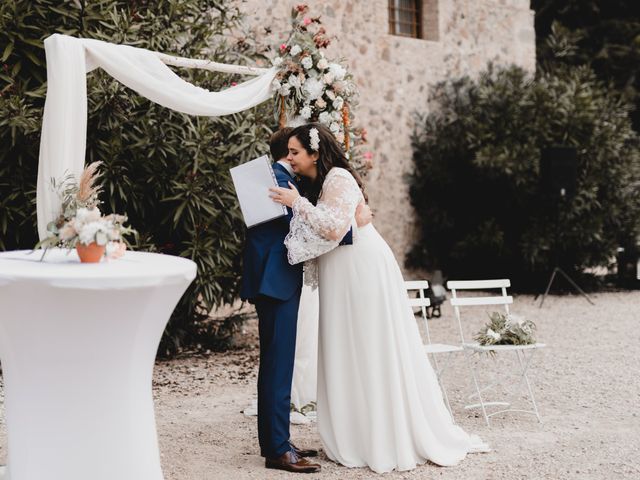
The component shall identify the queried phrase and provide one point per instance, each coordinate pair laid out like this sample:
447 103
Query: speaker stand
557 270
560 204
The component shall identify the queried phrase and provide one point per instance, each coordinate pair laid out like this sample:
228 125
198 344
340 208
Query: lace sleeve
315 230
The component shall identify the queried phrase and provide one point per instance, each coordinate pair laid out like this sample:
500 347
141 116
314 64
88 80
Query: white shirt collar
287 167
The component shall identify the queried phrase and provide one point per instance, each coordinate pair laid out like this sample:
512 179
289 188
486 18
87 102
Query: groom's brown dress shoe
309 452
291 462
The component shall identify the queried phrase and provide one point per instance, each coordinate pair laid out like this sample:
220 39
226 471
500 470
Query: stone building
396 49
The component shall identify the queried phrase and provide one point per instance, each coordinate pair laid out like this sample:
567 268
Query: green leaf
7 51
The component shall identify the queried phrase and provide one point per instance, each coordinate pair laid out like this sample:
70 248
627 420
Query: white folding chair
524 353
432 349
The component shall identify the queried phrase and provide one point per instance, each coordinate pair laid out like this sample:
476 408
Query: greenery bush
166 170
603 34
476 184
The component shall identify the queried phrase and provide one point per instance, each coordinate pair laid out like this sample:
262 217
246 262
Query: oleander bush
476 182
166 170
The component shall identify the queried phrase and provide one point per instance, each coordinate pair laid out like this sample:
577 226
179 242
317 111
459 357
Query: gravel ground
586 382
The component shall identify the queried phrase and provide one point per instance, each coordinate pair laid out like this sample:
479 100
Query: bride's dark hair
330 154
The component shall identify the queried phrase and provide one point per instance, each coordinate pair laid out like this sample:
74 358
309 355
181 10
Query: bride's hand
285 196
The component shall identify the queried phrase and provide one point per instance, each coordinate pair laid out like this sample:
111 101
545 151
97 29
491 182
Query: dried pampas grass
87 188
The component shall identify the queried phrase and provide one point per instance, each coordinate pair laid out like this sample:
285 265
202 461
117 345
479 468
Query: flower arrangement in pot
81 225
90 233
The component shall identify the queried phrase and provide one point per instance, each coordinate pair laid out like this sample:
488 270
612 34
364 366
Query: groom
274 286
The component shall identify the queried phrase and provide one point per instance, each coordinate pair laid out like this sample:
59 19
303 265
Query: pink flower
68 231
283 47
116 250
306 21
233 84
368 160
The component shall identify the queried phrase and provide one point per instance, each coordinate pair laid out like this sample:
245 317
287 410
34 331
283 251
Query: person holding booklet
274 287
379 402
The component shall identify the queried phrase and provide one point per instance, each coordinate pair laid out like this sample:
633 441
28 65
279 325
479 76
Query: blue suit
274 286
265 268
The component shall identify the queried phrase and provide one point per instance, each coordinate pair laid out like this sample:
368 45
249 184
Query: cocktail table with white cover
77 345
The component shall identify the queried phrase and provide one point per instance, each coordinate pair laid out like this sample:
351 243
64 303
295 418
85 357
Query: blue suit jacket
265 267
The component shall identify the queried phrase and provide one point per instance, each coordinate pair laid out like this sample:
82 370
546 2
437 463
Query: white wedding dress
379 402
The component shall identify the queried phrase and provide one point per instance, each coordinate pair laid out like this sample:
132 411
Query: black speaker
559 170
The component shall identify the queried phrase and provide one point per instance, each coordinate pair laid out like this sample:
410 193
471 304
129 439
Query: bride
379 402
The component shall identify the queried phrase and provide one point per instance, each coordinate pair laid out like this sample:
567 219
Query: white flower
340 137
331 94
493 335
84 215
294 81
337 70
276 62
515 319
276 85
307 62
334 127
93 232
336 115
314 139
320 104
295 50
296 121
328 78
322 64
102 238
284 89
314 88
324 118
305 112
338 103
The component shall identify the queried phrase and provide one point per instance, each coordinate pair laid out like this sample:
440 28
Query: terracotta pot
91 253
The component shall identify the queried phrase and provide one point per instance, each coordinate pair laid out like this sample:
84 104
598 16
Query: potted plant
81 225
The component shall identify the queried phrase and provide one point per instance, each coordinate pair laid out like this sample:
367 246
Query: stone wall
394 74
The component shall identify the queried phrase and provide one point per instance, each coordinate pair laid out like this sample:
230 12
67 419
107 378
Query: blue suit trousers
277 321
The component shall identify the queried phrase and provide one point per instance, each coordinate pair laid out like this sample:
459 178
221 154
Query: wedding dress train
379 402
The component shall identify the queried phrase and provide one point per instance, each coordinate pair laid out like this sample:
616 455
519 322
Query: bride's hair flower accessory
314 139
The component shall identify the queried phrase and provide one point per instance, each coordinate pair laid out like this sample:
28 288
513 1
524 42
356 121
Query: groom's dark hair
279 143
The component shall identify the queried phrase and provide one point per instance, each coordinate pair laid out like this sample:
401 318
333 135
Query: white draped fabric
64 124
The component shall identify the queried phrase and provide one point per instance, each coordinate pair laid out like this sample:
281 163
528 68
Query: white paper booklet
252 181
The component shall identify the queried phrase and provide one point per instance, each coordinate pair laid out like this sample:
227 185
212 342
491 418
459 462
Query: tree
602 34
166 170
476 183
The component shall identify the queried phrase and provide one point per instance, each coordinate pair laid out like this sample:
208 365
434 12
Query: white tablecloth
77 345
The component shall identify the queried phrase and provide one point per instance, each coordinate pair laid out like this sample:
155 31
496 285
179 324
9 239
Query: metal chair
524 353
432 349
